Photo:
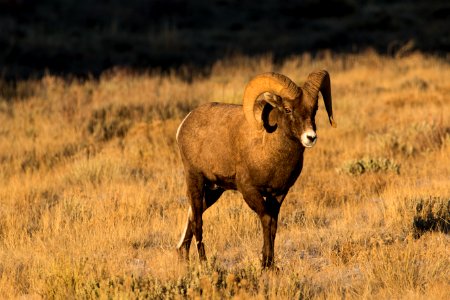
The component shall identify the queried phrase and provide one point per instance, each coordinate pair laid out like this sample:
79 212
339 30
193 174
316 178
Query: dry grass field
92 193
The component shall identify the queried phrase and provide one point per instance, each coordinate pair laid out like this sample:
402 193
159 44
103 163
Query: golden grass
92 199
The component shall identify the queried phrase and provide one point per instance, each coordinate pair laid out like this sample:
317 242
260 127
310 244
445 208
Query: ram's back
208 142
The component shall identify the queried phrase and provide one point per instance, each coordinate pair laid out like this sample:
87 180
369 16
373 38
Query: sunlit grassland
92 193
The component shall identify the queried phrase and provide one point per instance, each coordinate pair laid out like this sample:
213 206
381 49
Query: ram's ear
273 99
269 117
266 110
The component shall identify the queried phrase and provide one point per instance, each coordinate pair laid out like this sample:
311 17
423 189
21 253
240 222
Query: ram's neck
279 146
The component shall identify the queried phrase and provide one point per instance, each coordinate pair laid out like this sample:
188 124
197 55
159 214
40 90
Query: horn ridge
274 83
320 81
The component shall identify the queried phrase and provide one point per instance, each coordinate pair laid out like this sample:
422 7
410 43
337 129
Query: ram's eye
287 110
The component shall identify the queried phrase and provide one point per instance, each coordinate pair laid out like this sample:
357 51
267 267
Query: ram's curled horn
268 82
320 81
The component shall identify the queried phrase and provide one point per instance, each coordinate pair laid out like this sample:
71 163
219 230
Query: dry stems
92 197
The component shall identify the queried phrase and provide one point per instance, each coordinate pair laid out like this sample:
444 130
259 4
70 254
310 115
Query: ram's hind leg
201 198
195 192
186 238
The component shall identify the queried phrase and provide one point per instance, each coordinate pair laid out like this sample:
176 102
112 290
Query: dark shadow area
432 214
81 37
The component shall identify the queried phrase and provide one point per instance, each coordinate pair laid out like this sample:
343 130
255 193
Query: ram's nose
309 138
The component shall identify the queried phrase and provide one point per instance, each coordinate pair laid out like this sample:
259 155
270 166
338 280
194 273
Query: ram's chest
277 174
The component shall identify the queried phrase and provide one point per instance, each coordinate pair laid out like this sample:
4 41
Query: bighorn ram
256 148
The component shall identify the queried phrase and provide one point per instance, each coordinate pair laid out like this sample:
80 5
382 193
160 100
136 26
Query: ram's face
301 117
293 108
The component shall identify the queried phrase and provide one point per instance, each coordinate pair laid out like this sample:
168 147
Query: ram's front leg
269 222
267 210
269 226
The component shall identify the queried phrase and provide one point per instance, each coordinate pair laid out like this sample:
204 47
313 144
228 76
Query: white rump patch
308 138
181 124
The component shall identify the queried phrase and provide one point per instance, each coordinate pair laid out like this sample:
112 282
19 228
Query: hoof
269 265
183 255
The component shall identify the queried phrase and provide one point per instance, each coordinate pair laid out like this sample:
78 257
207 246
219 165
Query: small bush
32 161
432 214
361 166
109 122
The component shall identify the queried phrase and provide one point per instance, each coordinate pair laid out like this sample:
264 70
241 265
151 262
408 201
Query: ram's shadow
80 37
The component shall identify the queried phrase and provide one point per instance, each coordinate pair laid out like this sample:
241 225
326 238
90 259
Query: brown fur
221 150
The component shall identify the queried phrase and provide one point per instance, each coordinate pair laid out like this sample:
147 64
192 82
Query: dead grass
92 197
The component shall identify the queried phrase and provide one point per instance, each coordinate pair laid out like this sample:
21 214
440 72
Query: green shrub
374 165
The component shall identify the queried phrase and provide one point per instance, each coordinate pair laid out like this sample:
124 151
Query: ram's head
287 106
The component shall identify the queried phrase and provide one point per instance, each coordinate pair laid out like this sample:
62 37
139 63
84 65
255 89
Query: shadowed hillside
86 37
92 187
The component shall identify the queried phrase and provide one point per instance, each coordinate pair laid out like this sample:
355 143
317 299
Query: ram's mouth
308 145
